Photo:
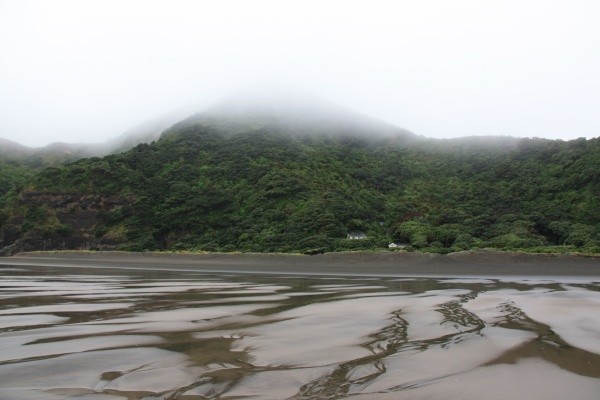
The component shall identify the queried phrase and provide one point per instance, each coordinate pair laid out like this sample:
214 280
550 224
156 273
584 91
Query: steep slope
260 182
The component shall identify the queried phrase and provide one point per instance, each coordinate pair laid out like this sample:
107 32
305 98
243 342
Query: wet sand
144 333
480 263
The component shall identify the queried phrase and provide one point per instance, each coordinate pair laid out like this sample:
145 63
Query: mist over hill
299 175
295 114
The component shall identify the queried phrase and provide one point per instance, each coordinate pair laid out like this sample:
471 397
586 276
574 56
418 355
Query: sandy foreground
486 263
472 326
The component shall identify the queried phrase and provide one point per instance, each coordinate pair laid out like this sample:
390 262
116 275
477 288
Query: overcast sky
85 71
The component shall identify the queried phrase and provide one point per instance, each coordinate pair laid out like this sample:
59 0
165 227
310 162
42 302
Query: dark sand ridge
479 263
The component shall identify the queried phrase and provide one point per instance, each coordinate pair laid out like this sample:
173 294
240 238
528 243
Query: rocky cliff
46 220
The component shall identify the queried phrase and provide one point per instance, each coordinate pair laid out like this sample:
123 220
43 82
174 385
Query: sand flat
261 335
475 264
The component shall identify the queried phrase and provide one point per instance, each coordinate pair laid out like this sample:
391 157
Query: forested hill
254 182
18 162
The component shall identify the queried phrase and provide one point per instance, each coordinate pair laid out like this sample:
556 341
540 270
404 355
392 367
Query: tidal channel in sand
95 333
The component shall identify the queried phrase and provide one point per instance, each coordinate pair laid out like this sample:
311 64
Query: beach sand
269 326
478 263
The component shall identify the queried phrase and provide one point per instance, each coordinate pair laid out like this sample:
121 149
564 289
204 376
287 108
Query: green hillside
253 183
18 162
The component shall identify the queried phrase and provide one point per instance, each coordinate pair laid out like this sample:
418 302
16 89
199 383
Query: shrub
581 235
513 241
465 241
228 248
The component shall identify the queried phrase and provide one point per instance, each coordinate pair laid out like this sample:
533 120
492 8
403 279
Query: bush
355 244
228 248
414 232
446 234
210 246
513 241
465 241
315 242
581 235
559 230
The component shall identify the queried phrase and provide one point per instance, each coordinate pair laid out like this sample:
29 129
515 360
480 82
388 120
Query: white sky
86 70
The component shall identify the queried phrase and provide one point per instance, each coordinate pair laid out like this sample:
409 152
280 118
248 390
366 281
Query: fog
292 112
87 71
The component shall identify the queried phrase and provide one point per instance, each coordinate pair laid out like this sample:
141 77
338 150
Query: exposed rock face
43 220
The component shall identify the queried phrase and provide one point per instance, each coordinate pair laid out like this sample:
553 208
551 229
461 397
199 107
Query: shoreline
469 263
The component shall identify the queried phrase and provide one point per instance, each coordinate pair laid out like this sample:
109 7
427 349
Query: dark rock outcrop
43 220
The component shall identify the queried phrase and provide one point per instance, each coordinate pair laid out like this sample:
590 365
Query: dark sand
480 263
139 326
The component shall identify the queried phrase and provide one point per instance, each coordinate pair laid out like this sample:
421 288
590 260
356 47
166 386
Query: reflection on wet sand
180 335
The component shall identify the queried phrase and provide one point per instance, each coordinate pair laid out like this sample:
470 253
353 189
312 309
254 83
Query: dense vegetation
265 190
18 162
12 175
